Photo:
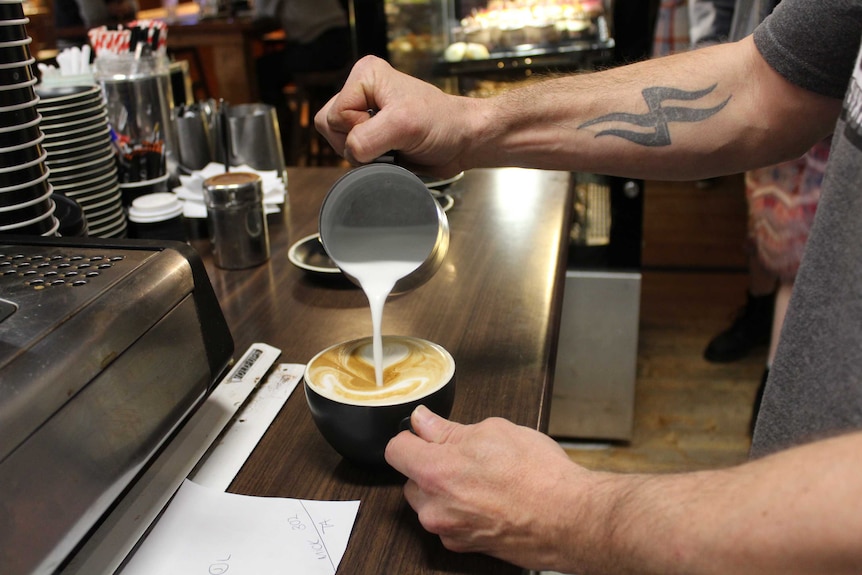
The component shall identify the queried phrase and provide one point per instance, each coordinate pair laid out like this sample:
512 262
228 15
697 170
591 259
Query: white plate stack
81 156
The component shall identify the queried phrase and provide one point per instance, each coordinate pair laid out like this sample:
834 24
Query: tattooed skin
658 116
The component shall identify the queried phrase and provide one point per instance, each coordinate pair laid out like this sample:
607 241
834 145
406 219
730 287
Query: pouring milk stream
383 229
377 279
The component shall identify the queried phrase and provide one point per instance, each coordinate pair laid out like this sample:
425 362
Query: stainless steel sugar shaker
237 221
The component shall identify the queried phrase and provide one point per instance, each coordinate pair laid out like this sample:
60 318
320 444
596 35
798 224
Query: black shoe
758 399
751 328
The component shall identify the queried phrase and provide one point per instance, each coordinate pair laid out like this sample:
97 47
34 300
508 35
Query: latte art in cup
412 369
355 415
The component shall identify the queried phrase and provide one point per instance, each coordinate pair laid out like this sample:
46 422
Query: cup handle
405 425
390 157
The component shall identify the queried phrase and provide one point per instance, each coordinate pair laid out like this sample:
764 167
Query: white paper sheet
105 551
205 530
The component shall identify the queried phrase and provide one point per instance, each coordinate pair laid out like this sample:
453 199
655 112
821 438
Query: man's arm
511 492
702 113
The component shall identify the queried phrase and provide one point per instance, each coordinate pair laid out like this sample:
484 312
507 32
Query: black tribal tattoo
658 116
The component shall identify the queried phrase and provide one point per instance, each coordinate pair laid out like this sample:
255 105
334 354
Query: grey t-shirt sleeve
812 44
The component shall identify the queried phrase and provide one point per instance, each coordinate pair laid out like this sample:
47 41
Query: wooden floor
689 414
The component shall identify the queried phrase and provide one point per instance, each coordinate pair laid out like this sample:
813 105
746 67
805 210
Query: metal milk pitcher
383 212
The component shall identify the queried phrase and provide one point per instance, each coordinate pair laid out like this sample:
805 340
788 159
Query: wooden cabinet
698 225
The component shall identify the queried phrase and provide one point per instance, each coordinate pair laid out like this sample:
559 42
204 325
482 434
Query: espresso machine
106 348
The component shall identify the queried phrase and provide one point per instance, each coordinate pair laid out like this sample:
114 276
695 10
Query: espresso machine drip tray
106 346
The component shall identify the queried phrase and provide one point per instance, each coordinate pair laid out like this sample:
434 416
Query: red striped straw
151 26
105 41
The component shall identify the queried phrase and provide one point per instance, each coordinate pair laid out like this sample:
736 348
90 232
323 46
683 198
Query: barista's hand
428 128
493 487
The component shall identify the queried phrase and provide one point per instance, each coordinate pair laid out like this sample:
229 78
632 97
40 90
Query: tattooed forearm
658 116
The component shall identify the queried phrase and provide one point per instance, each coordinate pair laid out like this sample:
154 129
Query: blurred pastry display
453 43
417 35
505 25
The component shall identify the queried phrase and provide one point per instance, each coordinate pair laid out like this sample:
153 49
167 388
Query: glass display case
446 41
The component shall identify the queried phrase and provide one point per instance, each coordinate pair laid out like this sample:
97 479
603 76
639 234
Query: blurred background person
782 201
317 38
671 33
712 22
86 14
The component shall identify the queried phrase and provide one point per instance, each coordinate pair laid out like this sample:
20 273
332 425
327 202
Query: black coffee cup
23 173
14 29
18 93
17 51
359 424
18 73
15 135
26 212
20 114
11 10
37 225
21 154
17 194
73 222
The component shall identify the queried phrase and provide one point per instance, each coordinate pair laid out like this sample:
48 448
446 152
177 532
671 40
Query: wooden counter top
494 304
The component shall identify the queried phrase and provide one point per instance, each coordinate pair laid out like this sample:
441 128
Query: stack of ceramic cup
26 206
81 155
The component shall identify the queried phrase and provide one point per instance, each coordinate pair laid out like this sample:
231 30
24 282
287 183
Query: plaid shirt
671 28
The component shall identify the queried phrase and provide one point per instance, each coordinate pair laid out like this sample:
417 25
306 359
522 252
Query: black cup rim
19 64
9 87
16 43
69 135
25 166
60 95
29 202
96 192
35 181
111 200
26 212
19 147
101 172
24 224
113 228
107 221
85 104
103 114
117 232
52 120
106 131
16 107
87 183
110 207
11 207
17 127
106 159
100 142
15 22
55 163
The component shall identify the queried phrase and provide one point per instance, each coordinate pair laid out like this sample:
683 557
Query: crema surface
412 369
